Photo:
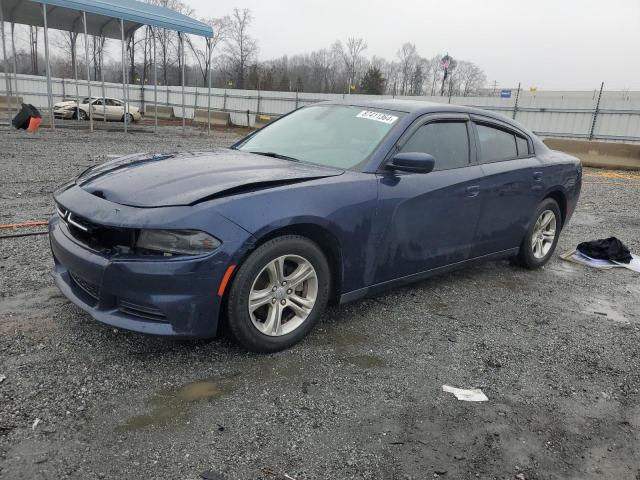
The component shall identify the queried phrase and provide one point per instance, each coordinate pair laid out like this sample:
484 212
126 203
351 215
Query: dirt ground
557 352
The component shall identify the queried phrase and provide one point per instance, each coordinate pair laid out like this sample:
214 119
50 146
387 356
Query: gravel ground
555 350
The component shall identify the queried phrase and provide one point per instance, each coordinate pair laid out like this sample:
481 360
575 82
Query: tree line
232 57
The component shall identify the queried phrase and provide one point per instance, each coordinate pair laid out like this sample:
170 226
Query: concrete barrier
10 102
164 112
263 120
217 117
622 156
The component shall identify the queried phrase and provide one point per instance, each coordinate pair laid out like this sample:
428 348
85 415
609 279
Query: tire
129 118
83 115
537 247
280 316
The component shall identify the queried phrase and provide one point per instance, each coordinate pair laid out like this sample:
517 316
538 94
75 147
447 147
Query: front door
98 109
429 220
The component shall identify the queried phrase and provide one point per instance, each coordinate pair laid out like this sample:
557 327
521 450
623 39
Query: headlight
179 242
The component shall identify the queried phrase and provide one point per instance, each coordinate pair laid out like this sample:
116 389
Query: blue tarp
102 16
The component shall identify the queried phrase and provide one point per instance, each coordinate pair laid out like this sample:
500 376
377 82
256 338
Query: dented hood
159 180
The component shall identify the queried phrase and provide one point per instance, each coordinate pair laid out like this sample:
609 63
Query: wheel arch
322 237
561 199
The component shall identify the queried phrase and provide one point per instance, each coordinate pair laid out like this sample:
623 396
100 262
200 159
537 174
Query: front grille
89 288
147 312
101 238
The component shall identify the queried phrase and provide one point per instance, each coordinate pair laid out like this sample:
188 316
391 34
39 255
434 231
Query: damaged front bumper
175 296
63 113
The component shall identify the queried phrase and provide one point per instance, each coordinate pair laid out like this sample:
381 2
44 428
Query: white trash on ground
577 257
472 395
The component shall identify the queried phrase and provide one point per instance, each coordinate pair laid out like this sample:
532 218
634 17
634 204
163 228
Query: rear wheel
542 237
278 294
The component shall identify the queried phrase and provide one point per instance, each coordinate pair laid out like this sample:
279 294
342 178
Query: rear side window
447 142
523 146
496 144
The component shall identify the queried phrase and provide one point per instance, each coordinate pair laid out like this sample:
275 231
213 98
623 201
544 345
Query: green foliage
373 83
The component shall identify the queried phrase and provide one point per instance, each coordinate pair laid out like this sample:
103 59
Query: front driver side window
447 142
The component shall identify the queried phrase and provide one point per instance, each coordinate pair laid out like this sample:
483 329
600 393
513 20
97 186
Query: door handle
473 190
537 176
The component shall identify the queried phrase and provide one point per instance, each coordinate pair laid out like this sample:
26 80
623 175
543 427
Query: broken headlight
177 242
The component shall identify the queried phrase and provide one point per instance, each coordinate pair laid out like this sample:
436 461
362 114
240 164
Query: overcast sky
551 44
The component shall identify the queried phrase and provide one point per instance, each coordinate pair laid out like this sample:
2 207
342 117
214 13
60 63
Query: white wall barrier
553 114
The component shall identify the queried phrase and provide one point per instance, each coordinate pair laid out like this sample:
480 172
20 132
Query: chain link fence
594 115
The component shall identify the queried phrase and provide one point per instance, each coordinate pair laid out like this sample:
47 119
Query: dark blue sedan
332 202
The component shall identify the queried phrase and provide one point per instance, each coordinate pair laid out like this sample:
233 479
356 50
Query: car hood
69 103
175 179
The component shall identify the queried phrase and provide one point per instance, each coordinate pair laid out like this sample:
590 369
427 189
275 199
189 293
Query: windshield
340 136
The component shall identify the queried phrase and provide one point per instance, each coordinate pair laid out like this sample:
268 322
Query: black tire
129 118
526 257
83 115
239 323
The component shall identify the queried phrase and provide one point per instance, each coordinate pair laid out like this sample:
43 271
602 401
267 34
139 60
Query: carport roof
102 16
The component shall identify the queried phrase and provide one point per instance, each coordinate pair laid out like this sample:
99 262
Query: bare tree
67 43
240 47
204 57
167 40
97 49
408 56
469 79
351 55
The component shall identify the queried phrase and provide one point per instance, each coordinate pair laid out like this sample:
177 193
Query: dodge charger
331 203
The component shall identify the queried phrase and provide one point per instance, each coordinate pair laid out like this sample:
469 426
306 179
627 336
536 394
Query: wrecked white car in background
109 108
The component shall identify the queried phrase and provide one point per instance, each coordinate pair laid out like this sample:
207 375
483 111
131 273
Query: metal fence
595 115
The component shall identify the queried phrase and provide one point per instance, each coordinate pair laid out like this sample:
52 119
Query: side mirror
415 162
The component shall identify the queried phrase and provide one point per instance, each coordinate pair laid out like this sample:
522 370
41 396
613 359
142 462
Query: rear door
511 185
429 220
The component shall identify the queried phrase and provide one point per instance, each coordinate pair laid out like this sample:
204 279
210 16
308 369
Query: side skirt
397 282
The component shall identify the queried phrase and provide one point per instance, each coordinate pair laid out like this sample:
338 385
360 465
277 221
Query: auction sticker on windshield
377 116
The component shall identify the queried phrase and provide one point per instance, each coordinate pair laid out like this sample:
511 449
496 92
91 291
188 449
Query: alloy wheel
544 234
283 295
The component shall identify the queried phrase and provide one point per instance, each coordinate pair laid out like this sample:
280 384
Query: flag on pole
445 62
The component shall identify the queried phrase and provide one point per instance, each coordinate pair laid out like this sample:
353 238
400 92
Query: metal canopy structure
118 19
102 16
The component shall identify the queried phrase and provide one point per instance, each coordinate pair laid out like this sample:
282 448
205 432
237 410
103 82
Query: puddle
173 404
507 283
16 304
364 361
338 337
604 309
563 269
437 305
584 218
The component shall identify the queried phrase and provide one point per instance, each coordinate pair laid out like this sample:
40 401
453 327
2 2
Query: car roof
421 107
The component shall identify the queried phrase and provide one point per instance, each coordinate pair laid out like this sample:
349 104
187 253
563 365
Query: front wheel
278 294
542 237
83 115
